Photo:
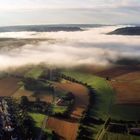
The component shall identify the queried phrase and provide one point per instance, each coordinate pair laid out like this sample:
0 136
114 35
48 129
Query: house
61 102
65 100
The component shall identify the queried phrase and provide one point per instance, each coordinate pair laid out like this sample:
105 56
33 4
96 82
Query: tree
24 101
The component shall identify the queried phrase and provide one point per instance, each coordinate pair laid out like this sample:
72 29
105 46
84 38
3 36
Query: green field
34 73
59 109
38 118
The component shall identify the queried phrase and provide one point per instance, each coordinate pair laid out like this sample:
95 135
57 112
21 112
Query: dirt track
68 129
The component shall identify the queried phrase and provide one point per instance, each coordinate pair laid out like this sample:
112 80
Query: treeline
36 85
87 121
36 106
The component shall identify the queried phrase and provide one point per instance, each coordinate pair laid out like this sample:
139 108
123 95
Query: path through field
67 129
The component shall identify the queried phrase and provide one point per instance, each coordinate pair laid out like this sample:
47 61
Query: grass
34 73
59 109
38 118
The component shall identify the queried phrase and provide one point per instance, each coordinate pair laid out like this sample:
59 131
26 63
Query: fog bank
91 46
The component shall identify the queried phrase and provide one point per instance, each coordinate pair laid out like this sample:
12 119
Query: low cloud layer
91 46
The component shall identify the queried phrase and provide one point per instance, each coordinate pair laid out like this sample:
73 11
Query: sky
24 12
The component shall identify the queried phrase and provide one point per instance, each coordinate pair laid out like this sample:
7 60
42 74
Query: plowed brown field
127 87
127 93
8 86
65 129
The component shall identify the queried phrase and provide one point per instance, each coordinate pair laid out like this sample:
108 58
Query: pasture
34 73
38 118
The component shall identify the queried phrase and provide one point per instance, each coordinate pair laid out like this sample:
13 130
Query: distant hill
127 31
50 28
39 28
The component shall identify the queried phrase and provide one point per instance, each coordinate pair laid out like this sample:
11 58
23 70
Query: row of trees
36 106
85 132
36 84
